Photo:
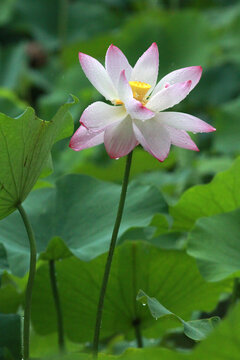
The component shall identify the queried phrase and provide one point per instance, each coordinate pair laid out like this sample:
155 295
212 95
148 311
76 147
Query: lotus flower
137 112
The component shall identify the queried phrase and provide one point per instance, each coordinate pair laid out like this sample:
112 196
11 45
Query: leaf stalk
32 271
56 298
110 255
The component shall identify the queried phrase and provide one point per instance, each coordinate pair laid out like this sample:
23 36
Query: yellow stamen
118 102
139 89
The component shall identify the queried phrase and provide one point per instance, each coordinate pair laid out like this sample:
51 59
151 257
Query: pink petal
146 68
153 137
83 139
99 115
98 76
181 139
192 73
115 62
135 108
184 122
119 139
169 96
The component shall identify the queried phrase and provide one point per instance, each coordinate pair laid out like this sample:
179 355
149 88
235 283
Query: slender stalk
137 328
110 255
32 270
53 280
235 293
137 321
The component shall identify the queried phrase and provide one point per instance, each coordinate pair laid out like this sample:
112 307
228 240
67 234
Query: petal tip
111 47
162 159
152 51
196 67
209 128
114 157
154 48
199 70
81 56
71 146
158 158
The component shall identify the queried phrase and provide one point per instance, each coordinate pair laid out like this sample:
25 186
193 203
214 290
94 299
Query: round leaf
164 274
81 211
215 243
25 144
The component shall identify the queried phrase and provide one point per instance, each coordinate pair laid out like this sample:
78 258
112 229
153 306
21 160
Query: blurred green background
40 41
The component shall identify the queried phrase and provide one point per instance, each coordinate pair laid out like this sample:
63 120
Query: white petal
115 62
153 137
124 89
169 96
146 68
83 139
119 139
192 73
99 115
184 121
134 108
98 76
181 139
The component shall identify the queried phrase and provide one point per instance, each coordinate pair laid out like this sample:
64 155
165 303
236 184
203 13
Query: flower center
139 90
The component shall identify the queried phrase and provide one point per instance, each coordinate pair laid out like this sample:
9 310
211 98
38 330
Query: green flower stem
110 255
53 280
32 270
235 293
137 328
